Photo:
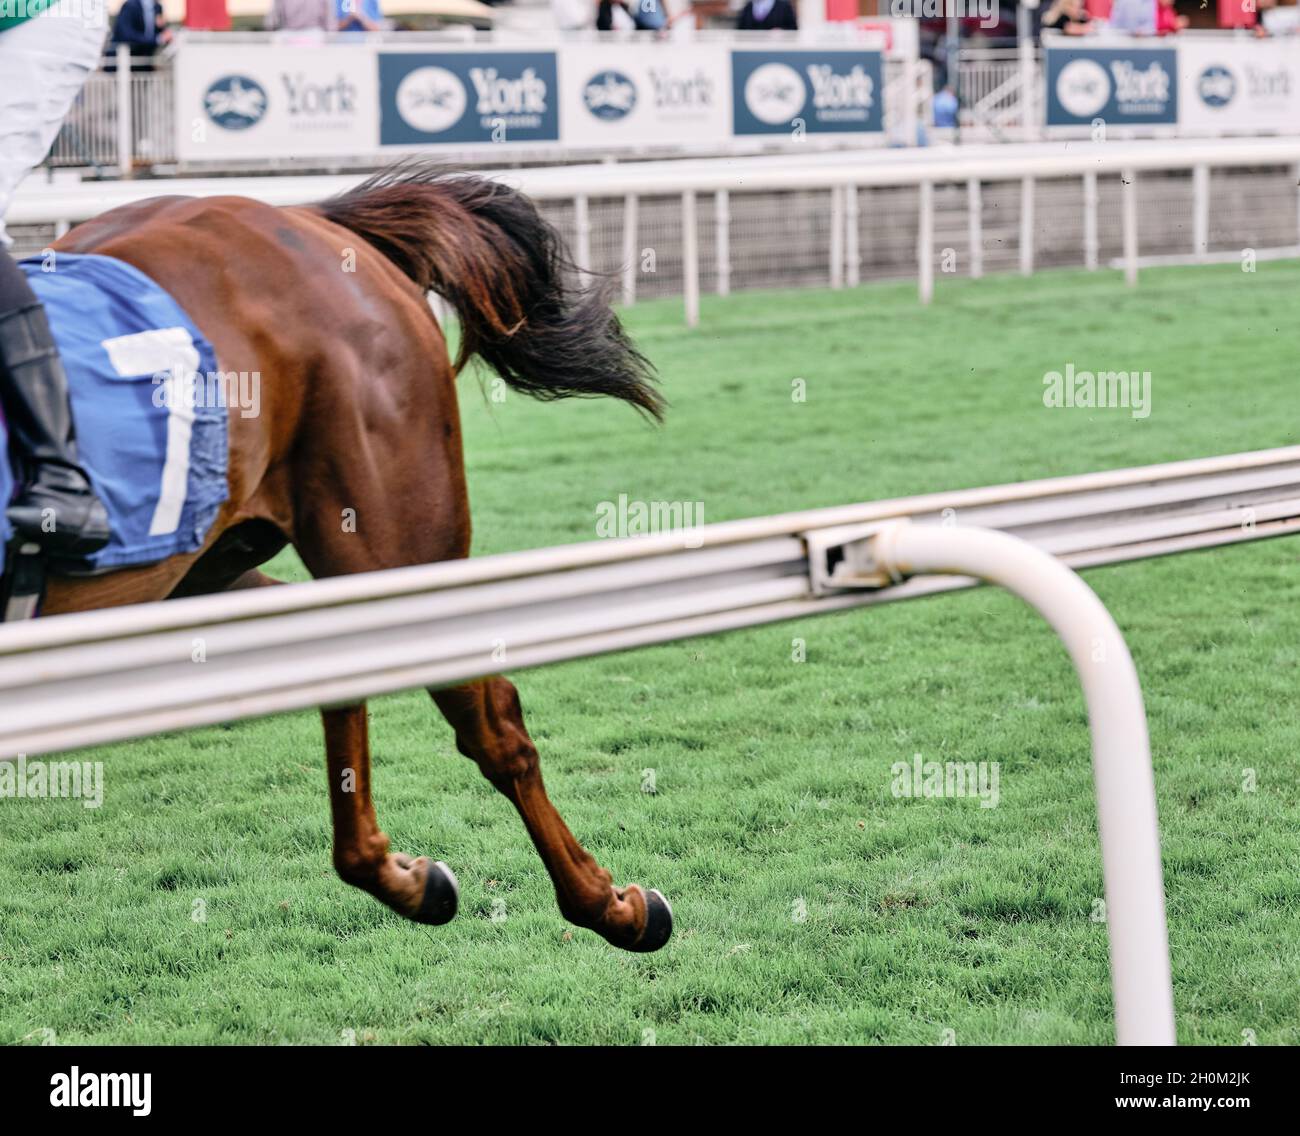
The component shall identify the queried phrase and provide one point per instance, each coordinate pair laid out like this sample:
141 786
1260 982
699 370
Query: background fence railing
124 119
991 87
840 218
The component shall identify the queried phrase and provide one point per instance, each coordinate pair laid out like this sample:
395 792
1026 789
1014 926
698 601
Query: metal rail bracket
845 559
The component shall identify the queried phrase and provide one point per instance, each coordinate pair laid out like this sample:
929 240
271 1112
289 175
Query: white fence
110 675
992 83
124 119
842 178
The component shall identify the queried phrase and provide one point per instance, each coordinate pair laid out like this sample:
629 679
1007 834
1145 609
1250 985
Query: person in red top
1168 21
207 15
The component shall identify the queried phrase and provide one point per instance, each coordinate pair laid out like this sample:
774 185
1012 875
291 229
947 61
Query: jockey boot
57 508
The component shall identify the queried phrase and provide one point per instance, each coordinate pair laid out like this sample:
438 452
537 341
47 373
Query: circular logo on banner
1083 87
610 95
775 93
431 99
235 102
1216 86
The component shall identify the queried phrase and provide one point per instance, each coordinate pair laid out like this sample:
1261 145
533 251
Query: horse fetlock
360 864
597 906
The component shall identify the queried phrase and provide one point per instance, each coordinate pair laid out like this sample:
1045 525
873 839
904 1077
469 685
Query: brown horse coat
355 457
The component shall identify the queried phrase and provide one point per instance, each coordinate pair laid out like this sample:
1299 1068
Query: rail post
690 259
722 240
1026 226
852 253
1121 751
125 112
925 243
631 261
1200 209
1091 246
1129 180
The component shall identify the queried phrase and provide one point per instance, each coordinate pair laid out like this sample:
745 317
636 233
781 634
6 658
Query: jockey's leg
43 65
56 507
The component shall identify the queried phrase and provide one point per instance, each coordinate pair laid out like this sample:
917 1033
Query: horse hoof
441 895
658 923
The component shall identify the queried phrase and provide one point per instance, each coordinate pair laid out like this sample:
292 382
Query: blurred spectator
646 15
767 15
1277 21
945 107
1238 13
207 16
358 16
1068 17
141 25
573 15
1136 17
300 15
1168 20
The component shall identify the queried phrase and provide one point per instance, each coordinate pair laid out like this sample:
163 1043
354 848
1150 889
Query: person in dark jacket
645 15
141 25
767 15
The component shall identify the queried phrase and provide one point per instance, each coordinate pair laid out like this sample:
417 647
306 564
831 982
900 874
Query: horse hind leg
490 729
420 889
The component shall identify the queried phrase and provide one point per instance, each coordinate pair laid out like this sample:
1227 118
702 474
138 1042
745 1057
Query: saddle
152 414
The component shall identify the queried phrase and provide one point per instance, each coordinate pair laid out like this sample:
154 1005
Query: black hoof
441 895
658 923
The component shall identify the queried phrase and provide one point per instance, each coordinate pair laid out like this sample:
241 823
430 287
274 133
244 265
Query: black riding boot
57 508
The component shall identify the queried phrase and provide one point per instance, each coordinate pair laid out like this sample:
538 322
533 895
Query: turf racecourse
199 904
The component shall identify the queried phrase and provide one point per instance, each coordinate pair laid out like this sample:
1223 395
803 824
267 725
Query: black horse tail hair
484 247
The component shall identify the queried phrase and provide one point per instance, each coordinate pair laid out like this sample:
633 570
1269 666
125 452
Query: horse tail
484 247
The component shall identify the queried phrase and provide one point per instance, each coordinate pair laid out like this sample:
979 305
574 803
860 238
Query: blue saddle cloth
148 402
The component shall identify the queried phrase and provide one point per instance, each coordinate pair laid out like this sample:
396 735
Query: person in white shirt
46 55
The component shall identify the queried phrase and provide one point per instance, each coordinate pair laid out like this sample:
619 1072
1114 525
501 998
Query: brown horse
359 419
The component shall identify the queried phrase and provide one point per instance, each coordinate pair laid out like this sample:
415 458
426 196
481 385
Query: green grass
773 776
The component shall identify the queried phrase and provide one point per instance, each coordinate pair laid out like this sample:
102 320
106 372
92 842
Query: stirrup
23 585
91 533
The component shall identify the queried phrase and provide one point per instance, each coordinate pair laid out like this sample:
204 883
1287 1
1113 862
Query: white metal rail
112 674
842 174
105 676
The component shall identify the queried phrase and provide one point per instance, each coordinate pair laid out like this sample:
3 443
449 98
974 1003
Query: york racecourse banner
776 92
1237 86
616 93
274 100
1204 85
260 101
467 97
1121 86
